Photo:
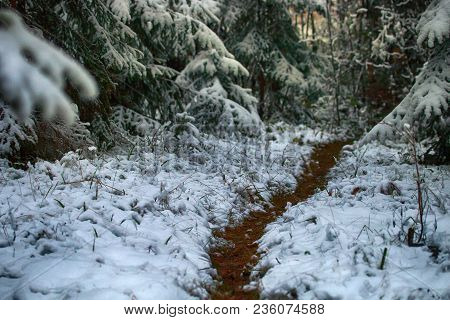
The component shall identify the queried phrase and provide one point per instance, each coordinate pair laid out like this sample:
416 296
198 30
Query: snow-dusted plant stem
410 136
411 139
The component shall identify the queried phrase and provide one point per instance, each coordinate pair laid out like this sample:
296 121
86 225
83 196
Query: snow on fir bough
426 107
33 73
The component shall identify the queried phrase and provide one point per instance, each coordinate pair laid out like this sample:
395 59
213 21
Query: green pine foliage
425 108
142 54
225 66
264 39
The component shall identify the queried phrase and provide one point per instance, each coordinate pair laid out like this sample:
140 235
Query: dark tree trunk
18 5
262 93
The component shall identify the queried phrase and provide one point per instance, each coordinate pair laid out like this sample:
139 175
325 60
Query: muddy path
234 263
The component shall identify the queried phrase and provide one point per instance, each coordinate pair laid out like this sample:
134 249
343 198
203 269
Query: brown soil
235 262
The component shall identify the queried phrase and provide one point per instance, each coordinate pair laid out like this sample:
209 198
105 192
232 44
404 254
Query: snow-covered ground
331 246
136 225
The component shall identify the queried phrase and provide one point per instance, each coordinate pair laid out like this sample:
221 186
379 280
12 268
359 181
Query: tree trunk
262 93
307 24
335 69
313 27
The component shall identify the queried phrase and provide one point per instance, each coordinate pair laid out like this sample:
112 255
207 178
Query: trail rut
235 262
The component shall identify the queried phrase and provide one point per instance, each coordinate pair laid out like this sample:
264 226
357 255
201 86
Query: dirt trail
234 263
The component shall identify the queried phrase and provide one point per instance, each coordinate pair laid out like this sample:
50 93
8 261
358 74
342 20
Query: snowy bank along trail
350 241
235 259
138 224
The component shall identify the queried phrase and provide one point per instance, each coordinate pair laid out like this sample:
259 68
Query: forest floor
136 225
142 224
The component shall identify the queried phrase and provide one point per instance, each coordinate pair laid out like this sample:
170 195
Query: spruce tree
136 49
425 109
263 37
219 104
